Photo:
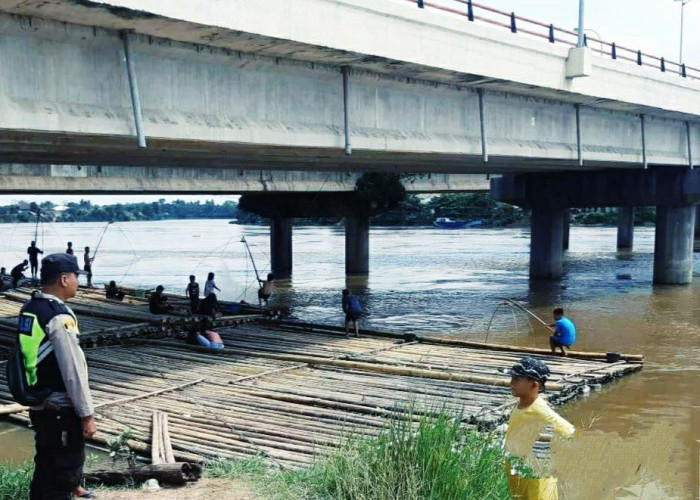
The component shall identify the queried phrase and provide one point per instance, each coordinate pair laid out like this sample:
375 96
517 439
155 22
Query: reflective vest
40 363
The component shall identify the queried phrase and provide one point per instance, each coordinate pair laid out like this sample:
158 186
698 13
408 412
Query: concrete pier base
673 245
356 245
565 230
281 247
625 228
547 233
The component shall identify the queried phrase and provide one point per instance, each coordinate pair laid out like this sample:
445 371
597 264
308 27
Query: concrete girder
65 100
35 179
656 186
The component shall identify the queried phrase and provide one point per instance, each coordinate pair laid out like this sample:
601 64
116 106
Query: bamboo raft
289 392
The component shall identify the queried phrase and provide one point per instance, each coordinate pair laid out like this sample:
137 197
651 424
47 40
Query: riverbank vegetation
421 458
411 211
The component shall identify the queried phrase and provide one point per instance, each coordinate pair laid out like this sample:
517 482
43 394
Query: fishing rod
257 275
99 241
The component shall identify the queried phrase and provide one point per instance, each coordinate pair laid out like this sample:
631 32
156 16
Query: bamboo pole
354 365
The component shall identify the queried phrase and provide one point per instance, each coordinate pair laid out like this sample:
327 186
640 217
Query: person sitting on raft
210 306
205 338
564 332
112 292
157 302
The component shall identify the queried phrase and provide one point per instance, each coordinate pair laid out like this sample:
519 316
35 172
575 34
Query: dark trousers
194 304
60 454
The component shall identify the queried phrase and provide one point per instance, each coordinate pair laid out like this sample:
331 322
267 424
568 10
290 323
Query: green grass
434 459
15 480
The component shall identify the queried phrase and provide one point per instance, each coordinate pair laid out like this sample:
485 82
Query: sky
652 26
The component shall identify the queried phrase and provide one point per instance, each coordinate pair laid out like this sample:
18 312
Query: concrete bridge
147 95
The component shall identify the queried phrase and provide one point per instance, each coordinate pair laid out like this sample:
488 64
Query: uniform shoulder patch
70 325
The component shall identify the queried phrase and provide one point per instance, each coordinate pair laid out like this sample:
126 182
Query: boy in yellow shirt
528 378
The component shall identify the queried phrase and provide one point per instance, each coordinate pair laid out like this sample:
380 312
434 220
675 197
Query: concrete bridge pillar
565 230
281 247
357 245
696 245
625 228
547 235
673 245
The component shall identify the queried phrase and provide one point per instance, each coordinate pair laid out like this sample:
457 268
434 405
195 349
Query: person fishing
353 310
33 253
266 288
17 272
210 285
564 332
87 266
88 261
192 291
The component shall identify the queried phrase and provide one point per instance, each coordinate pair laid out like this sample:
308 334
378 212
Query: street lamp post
683 3
580 21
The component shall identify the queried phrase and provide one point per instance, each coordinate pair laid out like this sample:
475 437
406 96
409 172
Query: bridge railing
473 11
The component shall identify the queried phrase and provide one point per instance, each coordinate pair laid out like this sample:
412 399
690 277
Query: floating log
175 474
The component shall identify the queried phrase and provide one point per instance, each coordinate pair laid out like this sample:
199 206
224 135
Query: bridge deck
291 392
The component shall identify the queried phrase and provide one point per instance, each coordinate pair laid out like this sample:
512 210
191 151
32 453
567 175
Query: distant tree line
412 211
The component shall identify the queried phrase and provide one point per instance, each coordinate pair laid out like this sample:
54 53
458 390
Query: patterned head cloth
531 368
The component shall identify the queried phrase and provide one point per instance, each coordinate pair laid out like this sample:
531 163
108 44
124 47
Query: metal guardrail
473 11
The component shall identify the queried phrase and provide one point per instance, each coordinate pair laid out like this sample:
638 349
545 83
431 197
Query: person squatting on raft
353 310
33 253
528 378
157 302
113 292
17 272
564 332
266 289
54 362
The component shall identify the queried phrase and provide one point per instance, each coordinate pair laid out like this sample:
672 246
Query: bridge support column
281 247
357 245
625 228
565 230
673 245
547 234
696 244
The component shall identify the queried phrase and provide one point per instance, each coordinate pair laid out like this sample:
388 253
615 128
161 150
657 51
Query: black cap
530 368
57 263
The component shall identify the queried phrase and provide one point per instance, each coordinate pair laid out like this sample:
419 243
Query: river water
639 436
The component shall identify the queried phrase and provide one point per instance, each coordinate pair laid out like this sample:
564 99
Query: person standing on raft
33 253
266 289
353 310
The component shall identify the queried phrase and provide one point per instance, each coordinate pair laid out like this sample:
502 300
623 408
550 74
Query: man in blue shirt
564 332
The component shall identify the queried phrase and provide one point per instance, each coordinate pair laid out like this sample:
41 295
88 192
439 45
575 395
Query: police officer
53 359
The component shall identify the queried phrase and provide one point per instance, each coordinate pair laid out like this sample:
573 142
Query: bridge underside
66 149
